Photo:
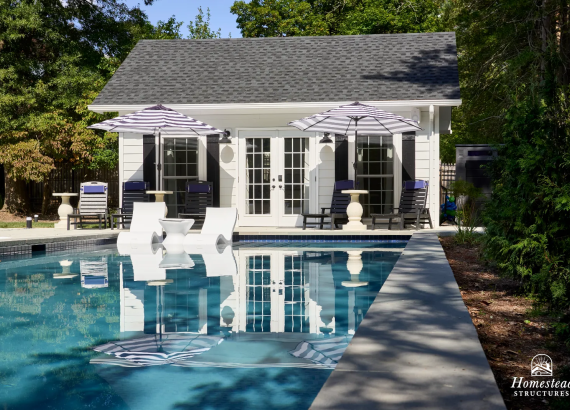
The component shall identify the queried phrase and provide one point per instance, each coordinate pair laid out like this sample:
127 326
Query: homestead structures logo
541 365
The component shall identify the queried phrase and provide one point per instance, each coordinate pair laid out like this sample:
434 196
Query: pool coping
417 347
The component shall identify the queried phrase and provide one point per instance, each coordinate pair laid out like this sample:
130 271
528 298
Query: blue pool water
256 326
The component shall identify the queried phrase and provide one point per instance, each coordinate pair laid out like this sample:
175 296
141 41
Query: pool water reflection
250 326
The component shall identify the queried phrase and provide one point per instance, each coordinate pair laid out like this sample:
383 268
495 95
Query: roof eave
213 108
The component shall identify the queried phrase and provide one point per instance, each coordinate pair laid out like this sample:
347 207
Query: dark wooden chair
337 211
133 191
199 196
412 209
92 205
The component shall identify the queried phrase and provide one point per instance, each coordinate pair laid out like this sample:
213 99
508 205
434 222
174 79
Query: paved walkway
417 347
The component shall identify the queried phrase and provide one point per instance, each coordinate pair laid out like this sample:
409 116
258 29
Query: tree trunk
47 197
16 201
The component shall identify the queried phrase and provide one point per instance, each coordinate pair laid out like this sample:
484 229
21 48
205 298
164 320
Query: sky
186 10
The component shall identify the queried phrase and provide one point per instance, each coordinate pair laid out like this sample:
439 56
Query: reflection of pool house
284 292
254 87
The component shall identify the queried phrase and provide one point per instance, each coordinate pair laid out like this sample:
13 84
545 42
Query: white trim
280 106
397 170
203 158
121 169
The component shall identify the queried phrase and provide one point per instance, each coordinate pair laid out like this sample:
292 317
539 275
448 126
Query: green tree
200 27
279 18
54 57
513 59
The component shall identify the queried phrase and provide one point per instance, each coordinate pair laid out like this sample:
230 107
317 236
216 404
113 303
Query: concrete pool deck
417 347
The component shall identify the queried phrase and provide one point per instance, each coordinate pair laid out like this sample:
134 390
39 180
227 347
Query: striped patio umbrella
156 120
356 117
173 349
325 352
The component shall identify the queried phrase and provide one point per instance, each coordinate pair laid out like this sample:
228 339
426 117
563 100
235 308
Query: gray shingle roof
295 69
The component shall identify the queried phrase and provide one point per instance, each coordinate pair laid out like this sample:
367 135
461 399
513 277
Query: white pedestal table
64 209
354 210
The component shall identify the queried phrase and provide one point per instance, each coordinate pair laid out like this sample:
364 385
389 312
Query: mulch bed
510 330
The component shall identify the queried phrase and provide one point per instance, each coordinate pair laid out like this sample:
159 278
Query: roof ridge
304 37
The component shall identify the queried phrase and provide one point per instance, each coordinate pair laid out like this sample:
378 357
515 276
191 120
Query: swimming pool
256 326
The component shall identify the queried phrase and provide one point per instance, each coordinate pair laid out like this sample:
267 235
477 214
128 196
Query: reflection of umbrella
157 119
326 352
174 349
356 117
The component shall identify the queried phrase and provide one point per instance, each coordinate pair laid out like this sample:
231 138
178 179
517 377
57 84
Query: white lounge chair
218 229
145 227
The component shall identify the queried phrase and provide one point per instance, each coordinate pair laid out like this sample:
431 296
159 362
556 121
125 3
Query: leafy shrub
467 197
528 217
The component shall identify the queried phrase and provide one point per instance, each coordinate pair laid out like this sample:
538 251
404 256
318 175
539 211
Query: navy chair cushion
415 184
341 185
198 188
94 189
135 186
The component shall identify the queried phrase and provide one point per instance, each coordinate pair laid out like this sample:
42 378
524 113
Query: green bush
528 217
467 197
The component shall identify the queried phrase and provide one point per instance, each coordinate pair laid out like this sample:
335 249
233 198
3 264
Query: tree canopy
54 59
279 18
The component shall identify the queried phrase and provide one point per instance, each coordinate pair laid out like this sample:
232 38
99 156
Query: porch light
326 139
226 137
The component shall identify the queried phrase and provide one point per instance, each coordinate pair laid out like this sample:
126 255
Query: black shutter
213 166
149 160
408 156
340 157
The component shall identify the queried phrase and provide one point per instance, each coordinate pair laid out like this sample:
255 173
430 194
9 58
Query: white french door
274 171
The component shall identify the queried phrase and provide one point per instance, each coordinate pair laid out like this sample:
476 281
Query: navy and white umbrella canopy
356 118
155 119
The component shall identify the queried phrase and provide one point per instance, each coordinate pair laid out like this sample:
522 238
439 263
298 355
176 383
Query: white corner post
434 184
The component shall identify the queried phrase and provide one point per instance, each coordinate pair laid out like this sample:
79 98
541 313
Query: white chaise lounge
145 227
218 229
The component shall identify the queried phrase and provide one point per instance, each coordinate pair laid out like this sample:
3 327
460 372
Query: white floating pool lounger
218 229
145 225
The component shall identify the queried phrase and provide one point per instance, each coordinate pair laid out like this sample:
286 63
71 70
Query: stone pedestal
354 210
64 209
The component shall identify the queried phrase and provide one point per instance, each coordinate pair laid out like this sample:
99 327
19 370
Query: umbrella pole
159 165
355 153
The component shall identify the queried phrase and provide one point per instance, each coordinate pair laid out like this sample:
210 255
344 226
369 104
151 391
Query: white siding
228 175
427 160
325 172
132 157
427 152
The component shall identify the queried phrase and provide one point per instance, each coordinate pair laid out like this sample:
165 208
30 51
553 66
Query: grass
23 224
